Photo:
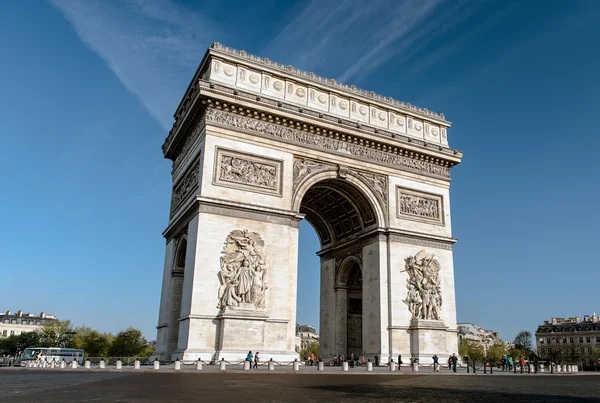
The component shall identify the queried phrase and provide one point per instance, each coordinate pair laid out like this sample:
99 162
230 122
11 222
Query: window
548 340
14 321
6 320
12 332
589 350
564 339
4 332
571 340
588 339
597 339
37 322
581 339
582 350
542 341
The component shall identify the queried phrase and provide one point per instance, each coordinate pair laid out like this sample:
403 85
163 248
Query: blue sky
88 90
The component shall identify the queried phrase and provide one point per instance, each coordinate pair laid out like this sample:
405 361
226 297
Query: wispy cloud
350 39
153 47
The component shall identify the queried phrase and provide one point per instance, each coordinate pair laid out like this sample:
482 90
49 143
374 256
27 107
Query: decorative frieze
419 206
186 186
424 296
322 142
189 141
247 172
243 274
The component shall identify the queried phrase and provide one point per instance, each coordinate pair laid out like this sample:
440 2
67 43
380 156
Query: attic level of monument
258 81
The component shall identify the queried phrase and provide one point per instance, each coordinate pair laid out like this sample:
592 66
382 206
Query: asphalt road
126 387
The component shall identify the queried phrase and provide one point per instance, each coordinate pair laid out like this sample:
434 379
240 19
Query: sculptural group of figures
419 206
243 270
424 297
246 171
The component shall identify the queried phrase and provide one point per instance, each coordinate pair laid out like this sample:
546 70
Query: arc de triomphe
256 147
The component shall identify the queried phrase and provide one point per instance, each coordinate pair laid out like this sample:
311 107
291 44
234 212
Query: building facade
13 324
257 147
571 340
305 335
485 338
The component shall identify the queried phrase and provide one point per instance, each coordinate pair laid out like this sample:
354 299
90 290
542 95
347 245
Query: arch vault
256 147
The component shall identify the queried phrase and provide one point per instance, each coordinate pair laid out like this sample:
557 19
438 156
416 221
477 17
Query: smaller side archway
176 292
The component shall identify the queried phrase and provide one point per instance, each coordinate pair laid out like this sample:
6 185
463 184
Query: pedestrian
256 359
312 359
362 358
249 358
510 363
522 364
436 365
376 360
454 361
399 361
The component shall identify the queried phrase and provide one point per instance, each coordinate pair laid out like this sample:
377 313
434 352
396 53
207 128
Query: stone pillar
321 366
296 366
156 364
246 365
392 366
63 364
177 365
341 319
345 366
162 335
102 364
119 364
369 366
53 363
74 364
199 365
88 364
136 364
271 365
415 366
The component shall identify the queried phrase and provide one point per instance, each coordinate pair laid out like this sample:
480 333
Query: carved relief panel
419 206
186 186
247 172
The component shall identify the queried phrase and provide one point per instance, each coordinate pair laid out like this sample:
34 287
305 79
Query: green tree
92 342
14 344
128 343
596 357
523 341
496 351
471 349
311 348
57 333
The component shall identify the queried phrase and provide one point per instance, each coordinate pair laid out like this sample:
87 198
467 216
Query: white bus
56 353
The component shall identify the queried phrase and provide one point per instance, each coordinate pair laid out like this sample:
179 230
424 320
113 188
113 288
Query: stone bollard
177 365
246 365
542 369
222 365
102 364
369 366
392 366
88 364
345 366
199 365
271 365
321 366
53 363
136 364
296 365
74 364
119 364
156 364
415 366
557 369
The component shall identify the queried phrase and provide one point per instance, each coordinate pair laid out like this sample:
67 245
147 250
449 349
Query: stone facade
484 337
19 322
257 147
570 341
305 335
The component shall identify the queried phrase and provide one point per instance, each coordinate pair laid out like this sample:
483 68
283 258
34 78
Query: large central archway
344 219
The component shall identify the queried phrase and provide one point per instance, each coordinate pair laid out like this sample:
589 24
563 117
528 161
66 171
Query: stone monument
257 147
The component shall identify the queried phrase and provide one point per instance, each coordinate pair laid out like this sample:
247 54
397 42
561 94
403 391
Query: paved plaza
45 385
